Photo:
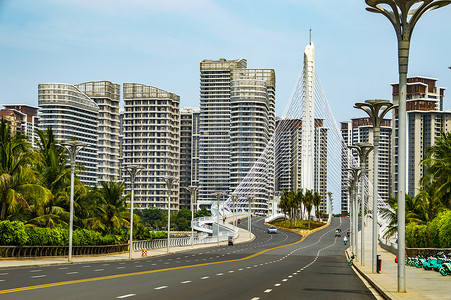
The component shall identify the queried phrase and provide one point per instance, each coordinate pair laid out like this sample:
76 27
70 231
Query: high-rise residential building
288 145
252 121
73 116
237 118
360 130
189 154
214 127
25 117
151 127
107 96
426 120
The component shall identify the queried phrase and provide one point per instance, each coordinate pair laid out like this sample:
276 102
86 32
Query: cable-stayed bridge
313 159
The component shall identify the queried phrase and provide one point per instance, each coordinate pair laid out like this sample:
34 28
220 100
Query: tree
17 181
308 203
317 201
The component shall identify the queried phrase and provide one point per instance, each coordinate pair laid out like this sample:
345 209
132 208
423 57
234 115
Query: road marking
290 276
220 274
41 286
188 281
86 266
206 277
154 264
240 269
268 290
277 284
255 298
138 266
70 273
38 276
161 287
99 270
105 264
1 274
65 268
33 271
120 268
231 271
1 280
285 279
125 296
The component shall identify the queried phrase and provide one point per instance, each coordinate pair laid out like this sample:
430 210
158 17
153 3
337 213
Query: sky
161 43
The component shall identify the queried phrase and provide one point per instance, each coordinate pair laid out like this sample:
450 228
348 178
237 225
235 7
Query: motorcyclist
345 240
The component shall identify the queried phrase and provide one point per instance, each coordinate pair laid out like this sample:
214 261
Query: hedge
435 234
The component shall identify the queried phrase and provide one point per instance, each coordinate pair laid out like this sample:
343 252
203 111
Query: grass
300 225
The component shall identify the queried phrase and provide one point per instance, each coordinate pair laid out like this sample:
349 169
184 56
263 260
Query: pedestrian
345 240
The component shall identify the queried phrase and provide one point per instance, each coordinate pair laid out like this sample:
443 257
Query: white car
272 229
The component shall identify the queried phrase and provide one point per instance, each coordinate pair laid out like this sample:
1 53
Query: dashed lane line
125 296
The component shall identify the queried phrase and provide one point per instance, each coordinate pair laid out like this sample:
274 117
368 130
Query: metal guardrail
47 251
179 242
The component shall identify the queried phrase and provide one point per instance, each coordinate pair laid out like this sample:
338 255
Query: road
273 266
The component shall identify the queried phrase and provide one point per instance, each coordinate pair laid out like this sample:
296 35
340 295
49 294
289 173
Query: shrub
445 230
13 233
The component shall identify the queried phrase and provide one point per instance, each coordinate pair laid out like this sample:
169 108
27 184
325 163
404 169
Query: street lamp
132 171
192 190
234 198
218 195
170 180
363 150
376 110
249 225
404 14
355 173
331 204
73 147
349 183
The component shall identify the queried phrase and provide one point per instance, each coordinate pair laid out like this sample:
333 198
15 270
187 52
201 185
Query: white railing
276 216
180 242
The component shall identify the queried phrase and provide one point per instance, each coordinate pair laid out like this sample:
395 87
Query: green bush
445 230
38 236
13 233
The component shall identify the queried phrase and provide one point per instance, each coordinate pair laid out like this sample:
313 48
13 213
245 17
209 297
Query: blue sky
161 43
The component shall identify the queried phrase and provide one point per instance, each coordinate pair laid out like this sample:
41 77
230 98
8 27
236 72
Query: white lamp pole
73 147
234 198
249 199
192 189
218 195
132 171
170 180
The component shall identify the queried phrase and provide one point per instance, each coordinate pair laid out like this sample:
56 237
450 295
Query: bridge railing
47 251
179 242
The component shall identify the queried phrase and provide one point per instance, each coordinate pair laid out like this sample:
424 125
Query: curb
371 282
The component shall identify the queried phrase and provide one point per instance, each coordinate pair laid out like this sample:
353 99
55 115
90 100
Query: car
272 229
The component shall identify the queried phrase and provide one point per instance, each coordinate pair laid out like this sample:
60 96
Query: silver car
272 229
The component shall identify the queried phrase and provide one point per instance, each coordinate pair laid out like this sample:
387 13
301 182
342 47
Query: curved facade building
73 116
151 129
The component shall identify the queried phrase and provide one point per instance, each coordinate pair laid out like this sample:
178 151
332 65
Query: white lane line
65 268
290 276
154 264
285 279
105 264
98 270
161 287
231 271
33 271
38 276
1 280
268 290
86 266
206 277
125 296
188 281
1 274
277 284
220 274
120 268
240 269
138 266
255 298
70 273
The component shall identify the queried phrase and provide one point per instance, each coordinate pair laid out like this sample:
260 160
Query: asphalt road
273 266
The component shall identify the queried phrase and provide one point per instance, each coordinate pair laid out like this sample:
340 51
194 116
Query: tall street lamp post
73 147
355 174
363 150
234 198
192 190
404 14
376 110
348 186
218 196
170 180
132 171
249 224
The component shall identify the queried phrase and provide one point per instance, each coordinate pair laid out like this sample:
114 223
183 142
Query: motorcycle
445 269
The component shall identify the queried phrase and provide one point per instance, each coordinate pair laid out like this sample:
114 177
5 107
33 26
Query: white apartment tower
426 120
189 153
151 128
107 96
73 116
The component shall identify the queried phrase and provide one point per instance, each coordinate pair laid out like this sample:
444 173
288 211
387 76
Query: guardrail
179 242
47 251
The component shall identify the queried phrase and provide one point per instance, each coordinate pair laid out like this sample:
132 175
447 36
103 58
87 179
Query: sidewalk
420 284
243 237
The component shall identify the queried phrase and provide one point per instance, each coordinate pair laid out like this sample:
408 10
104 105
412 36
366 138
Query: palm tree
298 199
18 182
317 201
308 203
438 166
114 207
